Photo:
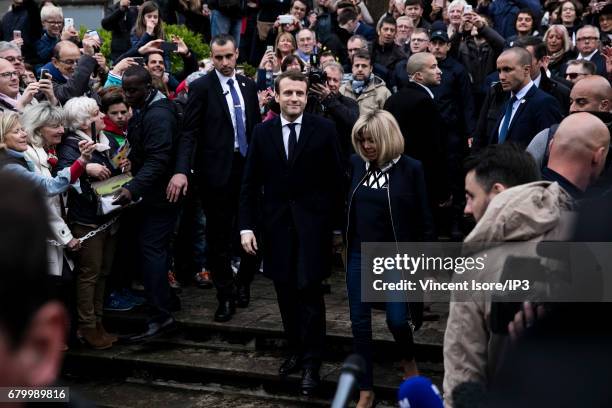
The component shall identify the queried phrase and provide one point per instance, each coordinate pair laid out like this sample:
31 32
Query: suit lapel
521 107
277 139
243 90
218 91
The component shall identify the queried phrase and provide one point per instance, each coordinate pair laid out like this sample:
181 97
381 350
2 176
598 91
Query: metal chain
90 234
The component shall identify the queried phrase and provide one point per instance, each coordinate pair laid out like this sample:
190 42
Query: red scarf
52 160
112 127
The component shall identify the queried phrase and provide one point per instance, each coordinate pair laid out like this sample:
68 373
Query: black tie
292 141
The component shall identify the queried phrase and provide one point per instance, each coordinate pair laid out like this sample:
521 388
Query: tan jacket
532 212
373 97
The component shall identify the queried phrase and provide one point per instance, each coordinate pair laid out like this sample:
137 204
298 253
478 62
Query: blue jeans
398 321
222 24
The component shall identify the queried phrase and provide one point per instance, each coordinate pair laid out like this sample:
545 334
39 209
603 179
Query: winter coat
538 211
59 230
372 97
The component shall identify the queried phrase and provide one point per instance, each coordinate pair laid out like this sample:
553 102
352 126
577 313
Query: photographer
324 98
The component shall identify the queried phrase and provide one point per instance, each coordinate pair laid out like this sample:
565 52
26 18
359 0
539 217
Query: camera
315 74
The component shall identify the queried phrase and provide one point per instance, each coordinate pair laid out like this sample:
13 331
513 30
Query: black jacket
424 136
207 128
152 133
384 60
557 90
301 198
411 219
454 97
119 22
25 18
83 207
479 60
344 112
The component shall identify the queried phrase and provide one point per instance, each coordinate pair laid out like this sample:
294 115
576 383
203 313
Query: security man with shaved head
578 153
415 110
591 94
525 110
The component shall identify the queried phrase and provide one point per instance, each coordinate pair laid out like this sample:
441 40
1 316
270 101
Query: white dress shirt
230 102
587 57
519 99
286 131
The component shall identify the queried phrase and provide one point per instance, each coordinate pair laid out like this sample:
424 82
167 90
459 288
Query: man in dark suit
416 113
221 112
526 109
295 160
587 45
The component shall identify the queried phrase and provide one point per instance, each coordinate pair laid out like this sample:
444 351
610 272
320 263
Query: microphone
352 369
419 392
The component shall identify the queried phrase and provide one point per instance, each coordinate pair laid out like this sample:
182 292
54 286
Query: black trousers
303 314
155 227
220 205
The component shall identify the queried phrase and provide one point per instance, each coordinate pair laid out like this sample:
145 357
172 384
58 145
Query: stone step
261 320
217 361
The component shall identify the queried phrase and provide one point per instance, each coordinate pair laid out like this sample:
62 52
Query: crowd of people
404 128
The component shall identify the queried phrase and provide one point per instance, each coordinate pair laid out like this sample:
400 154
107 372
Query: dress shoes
290 365
243 295
154 328
310 381
225 311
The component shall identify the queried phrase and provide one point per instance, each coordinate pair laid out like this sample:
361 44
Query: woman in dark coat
387 203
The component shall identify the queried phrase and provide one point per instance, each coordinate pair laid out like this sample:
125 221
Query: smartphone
16 34
285 19
69 22
45 74
270 48
169 47
467 9
139 60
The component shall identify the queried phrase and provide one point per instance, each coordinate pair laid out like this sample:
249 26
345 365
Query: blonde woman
14 143
559 47
43 124
387 203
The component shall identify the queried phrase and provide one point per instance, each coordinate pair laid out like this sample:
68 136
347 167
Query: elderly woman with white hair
44 126
85 121
455 11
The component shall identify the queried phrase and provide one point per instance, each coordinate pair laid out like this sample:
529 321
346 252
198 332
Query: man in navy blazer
217 123
294 169
527 109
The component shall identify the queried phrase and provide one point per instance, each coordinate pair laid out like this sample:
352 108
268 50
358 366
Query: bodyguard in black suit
295 160
415 110
526 110
221 112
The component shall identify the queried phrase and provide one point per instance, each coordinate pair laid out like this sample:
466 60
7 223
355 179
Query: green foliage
249 70
193 41
106 40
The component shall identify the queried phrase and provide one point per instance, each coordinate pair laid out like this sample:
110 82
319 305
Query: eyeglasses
68 62
573 75
56 23
9 75
355 49
587 39
13 59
